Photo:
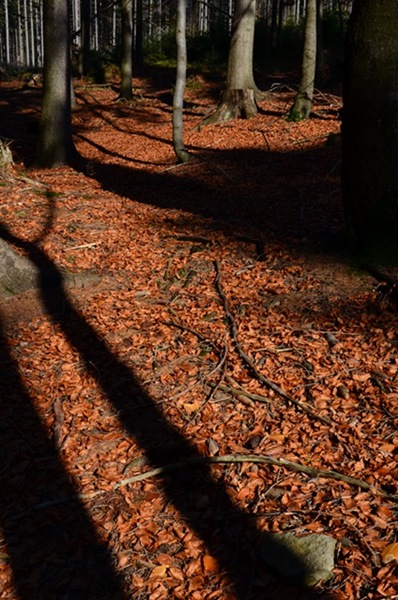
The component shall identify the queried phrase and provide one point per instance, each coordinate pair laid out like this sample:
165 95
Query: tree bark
239 97
178 97
302 105
85 37
370 129
126 65
55 145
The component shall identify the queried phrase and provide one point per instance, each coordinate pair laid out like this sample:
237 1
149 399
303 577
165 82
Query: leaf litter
216 279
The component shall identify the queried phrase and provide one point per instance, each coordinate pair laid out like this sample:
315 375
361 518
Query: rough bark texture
370 128
126 65
178 98
239 98
55 145
303 102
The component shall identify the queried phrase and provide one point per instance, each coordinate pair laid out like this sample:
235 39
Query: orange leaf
159 571
390 553
209 563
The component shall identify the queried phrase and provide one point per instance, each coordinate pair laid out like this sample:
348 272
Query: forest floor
215 318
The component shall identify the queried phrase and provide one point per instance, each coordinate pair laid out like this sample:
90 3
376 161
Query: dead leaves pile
310 323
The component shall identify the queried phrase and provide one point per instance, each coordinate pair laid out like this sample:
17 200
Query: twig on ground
242 392
258 459
249 362
89 245
226 459
212 164
194 332
220 365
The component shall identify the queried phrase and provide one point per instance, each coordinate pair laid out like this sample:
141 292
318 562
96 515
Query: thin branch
222 364
258 459
88 245
194 332
243 392
249 362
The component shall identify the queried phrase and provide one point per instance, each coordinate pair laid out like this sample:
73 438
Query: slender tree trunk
370 128
303 102
320 62
126 67
178 98
239 97
85 37
138 41
55 146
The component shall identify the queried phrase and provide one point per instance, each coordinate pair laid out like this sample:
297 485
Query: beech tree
370 128
239 97
303 101
55 145
126 65
178 97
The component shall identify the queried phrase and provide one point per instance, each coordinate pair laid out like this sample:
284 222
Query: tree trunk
178 98
303 102
320 59
370 128
85 37
139 34
239 97
126 66
55 146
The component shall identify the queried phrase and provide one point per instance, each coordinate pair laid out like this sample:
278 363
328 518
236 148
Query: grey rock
306 560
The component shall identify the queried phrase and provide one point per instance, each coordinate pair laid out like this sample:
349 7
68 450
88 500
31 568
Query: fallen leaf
390 553
209 563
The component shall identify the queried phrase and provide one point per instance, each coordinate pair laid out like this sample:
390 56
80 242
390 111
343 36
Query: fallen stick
258 459
249 362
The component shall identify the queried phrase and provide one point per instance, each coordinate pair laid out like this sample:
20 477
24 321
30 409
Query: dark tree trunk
55 146
126 65
370 128
139 35
320 60
84 52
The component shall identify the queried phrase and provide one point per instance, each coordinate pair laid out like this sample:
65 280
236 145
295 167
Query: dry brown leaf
390 553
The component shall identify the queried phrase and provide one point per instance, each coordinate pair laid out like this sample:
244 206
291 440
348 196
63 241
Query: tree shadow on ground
50 541
292 198
229 534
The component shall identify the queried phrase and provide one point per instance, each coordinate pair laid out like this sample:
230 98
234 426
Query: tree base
235 104
301 108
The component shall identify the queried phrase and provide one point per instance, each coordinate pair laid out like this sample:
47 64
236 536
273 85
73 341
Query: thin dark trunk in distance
370 129
280 22
320 59
139 35
274 24
126 64
84 52
178 97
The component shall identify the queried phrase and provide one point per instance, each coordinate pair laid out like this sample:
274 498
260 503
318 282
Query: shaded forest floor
142 364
